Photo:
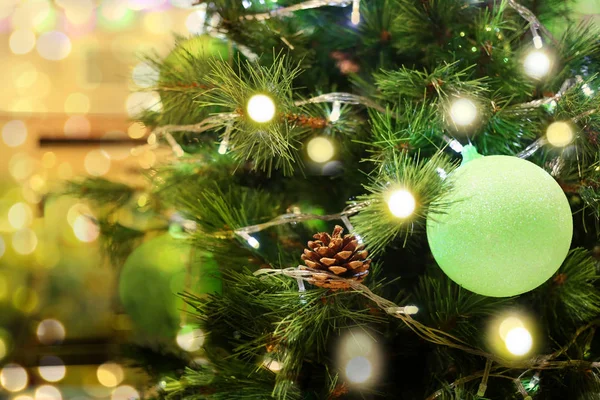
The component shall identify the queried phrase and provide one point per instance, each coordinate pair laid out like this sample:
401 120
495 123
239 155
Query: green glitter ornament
506 226
153 275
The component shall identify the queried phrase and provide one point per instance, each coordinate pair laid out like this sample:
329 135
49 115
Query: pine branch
376 225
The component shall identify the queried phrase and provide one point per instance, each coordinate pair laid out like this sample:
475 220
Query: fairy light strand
284 11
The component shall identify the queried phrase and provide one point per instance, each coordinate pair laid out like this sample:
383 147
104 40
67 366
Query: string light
261 108
335 111
463 112
559 134
518 341
320 149
537 64
355 16
401 203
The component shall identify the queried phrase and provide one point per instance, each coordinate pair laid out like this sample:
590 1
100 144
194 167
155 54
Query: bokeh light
139 102
144 75
50 331
77 103
20 215
97 163
77 210
77 126
54 46
195 21
137 130
14 133
47 392
85 229
125 393
21 166
110 374
320 149
22 41
190 339
13 377
49 159
2 249
52 368
30 14
358 369
24 241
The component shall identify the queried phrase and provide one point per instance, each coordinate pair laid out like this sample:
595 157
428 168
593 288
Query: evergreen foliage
255 206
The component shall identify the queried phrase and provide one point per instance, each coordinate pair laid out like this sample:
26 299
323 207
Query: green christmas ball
153 275
506 226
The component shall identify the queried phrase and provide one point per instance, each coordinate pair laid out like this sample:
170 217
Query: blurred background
72 79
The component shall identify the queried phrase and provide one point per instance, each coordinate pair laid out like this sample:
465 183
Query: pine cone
343 256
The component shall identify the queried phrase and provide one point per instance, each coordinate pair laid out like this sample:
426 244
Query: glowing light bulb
401 203
518 341
537 64
320 149
463 112
537 42
261 108
359 369
559 134
335 111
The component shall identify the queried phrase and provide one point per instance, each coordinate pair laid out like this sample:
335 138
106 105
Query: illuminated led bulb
261 108
359 369
335 111
411 310
463 112
559 134
537 64
401 203
355 16
518 341
537 42
508 325
320 149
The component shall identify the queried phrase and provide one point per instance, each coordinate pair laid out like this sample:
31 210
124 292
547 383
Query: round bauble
506 226
153 275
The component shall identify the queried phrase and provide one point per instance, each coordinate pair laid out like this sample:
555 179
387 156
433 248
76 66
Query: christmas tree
382 199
